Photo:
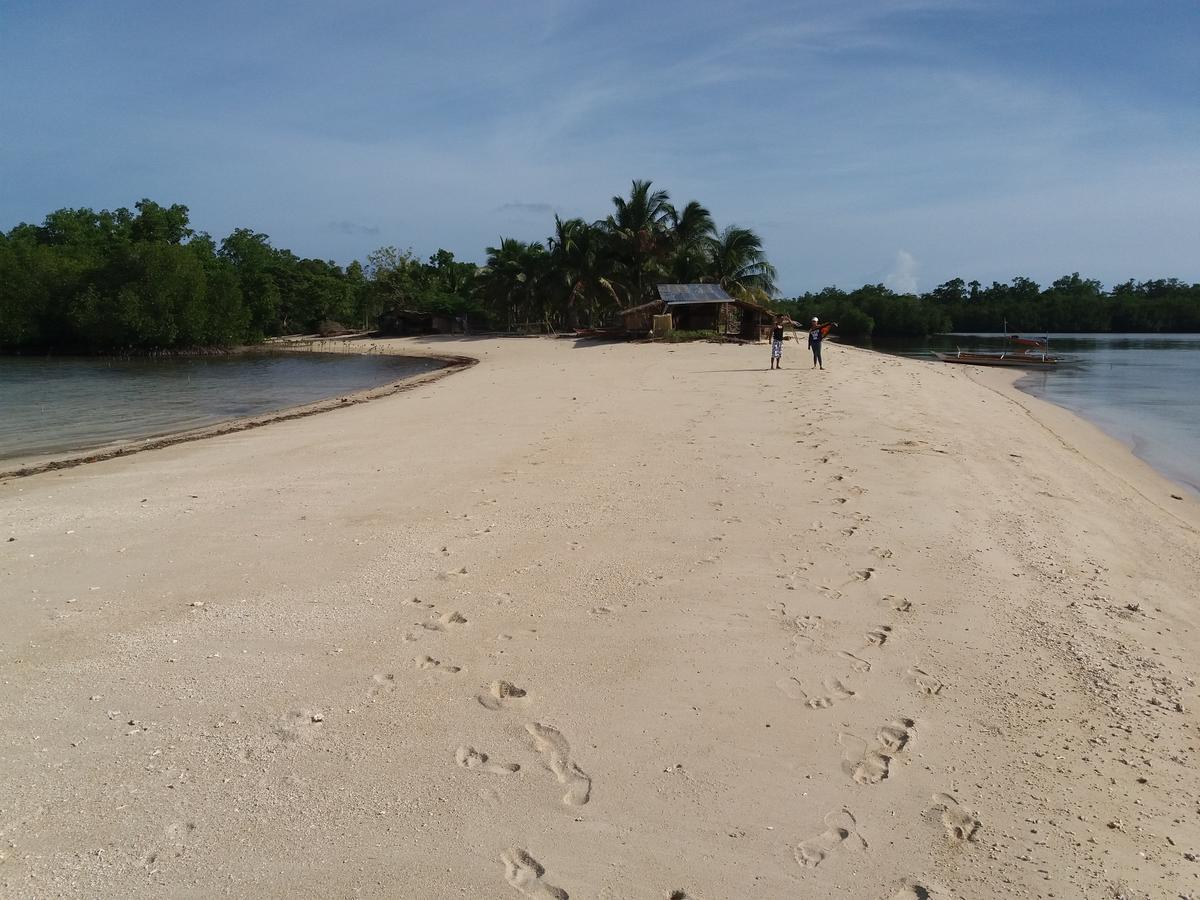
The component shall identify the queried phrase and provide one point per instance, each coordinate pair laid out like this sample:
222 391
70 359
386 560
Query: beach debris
317 717
1176 497
1133 607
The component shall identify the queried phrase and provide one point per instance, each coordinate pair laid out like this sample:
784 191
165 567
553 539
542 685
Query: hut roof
693 293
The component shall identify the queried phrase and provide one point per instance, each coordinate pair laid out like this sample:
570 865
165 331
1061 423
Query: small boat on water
1033 356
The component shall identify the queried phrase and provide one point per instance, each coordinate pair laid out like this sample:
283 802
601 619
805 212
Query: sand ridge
612 621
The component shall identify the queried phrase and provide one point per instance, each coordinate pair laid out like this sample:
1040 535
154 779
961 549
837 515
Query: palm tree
691 230
581 266
639 229
512 280
692 225
736 261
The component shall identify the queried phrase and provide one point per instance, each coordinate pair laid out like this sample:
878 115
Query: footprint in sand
899 604
549 740
959 821
911 890
525 873
862 575
382 683
872 764
834 691
878 636
866 765
429 663
501 695
925 682
300 725
895 735
802 628
445 622
857 663
470 758
176 836
882 552
840 828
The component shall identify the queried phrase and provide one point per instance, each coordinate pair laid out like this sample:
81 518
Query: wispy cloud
354 228
985 139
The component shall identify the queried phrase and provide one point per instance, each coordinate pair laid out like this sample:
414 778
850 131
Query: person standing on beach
777 340
816 334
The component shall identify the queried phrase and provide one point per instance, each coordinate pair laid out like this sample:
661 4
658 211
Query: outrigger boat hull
1000 359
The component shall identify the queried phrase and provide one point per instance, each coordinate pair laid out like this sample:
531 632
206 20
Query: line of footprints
521 871
867 762
547 741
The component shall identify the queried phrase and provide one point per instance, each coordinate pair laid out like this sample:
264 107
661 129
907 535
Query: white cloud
903 277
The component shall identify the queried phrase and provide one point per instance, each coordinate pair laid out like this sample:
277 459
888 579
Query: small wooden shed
701 307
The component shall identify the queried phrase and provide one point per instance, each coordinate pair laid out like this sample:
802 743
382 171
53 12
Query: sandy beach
609 621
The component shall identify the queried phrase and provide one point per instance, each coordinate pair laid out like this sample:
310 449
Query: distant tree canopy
142 280
1071 303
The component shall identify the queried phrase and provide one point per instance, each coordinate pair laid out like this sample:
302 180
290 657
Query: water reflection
51 405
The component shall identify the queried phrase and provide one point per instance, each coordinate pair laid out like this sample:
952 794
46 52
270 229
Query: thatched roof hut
700 307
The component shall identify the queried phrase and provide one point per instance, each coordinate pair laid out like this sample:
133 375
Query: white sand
890 630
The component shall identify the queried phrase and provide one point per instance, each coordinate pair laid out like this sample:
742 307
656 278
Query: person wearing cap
816 334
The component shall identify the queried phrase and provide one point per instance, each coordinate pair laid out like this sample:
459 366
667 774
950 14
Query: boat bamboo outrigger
1034 355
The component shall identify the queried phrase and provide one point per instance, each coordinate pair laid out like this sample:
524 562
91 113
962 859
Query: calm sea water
57 404
1143 389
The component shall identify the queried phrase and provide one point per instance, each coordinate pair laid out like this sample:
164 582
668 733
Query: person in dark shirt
816 334
777 340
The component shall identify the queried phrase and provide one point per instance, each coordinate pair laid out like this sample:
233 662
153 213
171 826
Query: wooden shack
701 307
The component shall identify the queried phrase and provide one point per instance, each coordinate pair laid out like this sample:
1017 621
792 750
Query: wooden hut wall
697 317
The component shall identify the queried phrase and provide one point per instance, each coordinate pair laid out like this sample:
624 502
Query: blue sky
906 142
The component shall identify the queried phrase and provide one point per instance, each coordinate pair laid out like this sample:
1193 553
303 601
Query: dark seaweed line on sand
452 364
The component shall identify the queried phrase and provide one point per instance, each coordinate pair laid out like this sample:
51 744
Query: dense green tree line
143 280
1069 304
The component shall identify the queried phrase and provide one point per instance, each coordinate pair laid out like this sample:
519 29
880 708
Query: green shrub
682 337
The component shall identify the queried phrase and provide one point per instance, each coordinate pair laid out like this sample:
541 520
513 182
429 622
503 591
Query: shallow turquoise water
1143 389
58 404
